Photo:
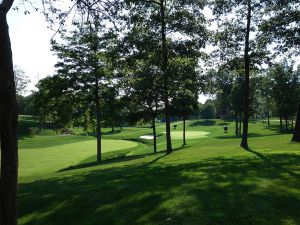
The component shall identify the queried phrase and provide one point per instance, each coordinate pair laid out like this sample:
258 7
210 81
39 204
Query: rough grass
211 181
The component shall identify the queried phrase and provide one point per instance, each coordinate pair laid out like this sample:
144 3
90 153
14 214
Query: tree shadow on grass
272 163
227 191
250 135
117 159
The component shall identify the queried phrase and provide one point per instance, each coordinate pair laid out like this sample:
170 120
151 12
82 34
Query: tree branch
6 5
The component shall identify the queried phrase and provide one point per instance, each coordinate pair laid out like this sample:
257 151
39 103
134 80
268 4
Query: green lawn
211 181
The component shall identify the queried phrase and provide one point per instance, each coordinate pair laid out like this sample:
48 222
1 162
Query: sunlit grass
210 181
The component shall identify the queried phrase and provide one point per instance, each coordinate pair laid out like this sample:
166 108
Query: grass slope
211 181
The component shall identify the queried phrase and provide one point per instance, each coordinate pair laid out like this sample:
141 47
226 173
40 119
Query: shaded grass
211 181
221 190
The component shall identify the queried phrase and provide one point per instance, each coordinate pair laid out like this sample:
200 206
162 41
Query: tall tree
282 25
8 124
84 64
285 90
239 22
186 88
167 19
21 80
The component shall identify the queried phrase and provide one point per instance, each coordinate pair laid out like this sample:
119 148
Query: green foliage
25 104
285 89
208 111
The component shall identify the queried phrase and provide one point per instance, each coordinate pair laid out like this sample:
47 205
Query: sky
30 40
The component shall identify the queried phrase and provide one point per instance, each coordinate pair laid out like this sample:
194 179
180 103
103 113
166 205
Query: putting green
189 134
35 161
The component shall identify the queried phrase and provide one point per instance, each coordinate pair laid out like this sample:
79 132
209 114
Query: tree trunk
268 111
8 125
244 142
154 134
296 135
292 125
240 124
281 126
286 124
165 75
236 124
40 126
98 118
184 140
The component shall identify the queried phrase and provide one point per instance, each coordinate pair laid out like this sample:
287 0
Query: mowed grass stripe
38 161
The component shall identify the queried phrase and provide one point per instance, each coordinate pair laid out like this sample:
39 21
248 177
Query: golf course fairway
35 161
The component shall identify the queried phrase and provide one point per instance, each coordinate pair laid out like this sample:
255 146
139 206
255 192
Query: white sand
148 137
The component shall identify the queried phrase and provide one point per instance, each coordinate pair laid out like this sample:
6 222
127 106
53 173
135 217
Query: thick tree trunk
165 76
98 118
296 135
154 134
184 140
8 125
244 142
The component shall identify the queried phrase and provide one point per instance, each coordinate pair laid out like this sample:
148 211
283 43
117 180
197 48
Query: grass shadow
270 162
250 135
227 191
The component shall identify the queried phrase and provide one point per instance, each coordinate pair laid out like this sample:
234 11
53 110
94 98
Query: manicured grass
37 161
211 181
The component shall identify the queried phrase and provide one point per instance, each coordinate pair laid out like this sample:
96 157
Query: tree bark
281 126
98 118
154 134
268 112
8 125
240 124
244 142
236 124
165 76
286 124
184 140
296 135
